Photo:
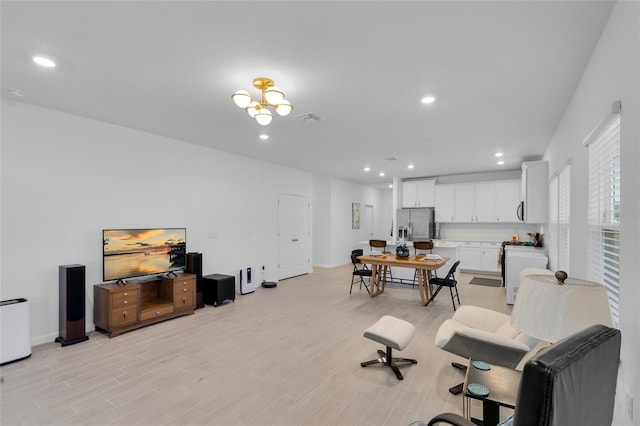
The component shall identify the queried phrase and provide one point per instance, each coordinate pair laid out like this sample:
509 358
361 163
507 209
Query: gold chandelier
271 95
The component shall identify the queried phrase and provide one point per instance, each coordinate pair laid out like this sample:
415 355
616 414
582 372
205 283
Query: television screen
136 252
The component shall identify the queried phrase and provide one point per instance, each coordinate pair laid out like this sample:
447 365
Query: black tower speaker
72 298
194 266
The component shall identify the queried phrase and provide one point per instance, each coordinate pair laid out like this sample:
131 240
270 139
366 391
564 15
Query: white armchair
483 334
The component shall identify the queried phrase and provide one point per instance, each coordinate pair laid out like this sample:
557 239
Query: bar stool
383 245
422 246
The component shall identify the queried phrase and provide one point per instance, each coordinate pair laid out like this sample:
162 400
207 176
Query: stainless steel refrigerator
416 224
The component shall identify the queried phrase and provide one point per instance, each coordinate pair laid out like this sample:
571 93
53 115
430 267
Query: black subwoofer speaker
71 320
194 266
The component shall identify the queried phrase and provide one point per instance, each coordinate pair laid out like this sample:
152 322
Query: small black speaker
194 266
71 320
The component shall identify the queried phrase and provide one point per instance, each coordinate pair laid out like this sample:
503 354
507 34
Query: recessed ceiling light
264 137
428 100
500 163
381 174
366 169
410 166
45 62
390 185
499 154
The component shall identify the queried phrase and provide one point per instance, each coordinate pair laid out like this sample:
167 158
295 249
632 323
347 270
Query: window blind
559 220
604 209
564 216
552 235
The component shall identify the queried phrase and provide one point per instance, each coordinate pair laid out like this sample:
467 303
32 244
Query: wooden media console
121 308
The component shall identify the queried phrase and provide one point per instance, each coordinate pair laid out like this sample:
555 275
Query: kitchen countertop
442 243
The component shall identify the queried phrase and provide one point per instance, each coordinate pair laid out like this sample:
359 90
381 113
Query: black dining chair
448 281
360 271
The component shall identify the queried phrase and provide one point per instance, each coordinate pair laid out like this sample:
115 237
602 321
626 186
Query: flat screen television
128 253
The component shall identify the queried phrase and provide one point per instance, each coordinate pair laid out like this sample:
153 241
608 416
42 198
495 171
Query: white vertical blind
604 209
552 235
559 220
564 215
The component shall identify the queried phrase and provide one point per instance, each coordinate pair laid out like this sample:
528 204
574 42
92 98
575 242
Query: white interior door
367 221
294 247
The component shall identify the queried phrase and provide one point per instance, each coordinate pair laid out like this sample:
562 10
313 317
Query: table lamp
549 307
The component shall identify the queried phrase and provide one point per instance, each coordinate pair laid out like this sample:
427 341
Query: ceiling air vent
308 117
390 159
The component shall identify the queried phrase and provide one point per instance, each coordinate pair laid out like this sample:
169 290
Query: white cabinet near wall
445 202
535 191
507 200
418 193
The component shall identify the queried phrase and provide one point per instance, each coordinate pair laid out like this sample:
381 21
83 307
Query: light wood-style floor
284 356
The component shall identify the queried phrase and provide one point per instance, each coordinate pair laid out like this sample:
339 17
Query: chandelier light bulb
263 116
283 108
242 98
253 108
270 96
273 95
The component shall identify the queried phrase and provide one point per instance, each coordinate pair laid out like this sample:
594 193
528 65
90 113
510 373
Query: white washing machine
516 259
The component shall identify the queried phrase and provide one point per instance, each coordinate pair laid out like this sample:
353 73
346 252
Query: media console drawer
121 316
156 312
121 308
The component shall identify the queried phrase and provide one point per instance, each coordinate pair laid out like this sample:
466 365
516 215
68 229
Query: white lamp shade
263 116
273 95
548 311
283 108
242 98
253 108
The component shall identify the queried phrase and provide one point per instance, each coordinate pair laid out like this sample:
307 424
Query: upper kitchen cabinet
476 202
418 193
535 192
445 203
484 202
507 199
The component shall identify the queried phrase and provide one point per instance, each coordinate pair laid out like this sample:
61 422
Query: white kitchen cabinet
470 257
507 200
479 257
464 205
485 202
418 193
445 202
489 262
535 191
475 202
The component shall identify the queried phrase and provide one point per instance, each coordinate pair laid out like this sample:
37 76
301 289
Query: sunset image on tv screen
136 252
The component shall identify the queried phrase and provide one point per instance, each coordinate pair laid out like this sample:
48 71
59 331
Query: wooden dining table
381 263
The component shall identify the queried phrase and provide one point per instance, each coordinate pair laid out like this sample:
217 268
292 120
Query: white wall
65 178
333 237
613 73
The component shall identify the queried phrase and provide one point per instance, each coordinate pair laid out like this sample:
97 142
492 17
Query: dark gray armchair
572 382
